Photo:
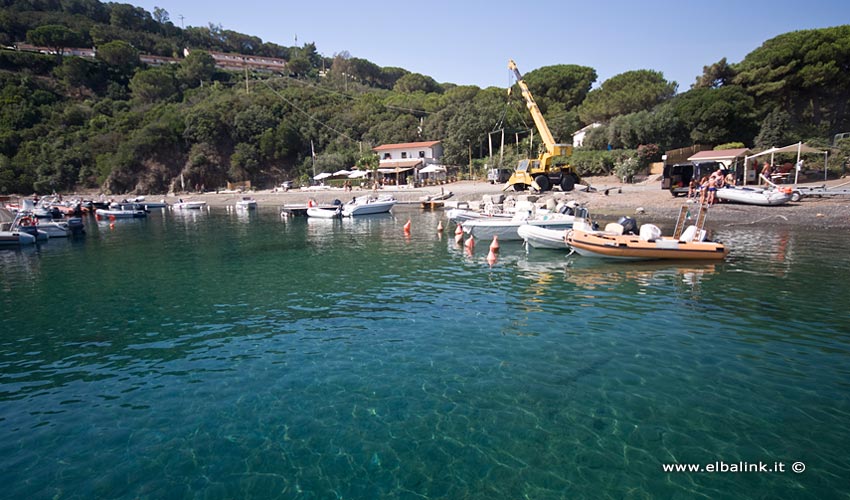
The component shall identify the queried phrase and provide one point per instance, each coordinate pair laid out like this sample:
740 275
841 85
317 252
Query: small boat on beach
754 196
368 205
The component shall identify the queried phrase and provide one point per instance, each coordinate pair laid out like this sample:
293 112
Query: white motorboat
460 215
543 237
506 229
189 205
147 205
368 205
246 203
11 236
14 238
119 213
754 196
325 212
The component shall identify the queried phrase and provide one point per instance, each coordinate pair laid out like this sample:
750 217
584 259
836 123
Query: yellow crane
540 173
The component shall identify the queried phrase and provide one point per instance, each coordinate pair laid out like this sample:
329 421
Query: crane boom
548 169
546 135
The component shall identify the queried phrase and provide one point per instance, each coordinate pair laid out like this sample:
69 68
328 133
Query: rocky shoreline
609 200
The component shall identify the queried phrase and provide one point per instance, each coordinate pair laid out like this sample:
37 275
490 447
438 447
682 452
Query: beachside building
399 163
580 134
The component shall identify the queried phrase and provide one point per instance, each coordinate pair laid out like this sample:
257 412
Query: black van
677 178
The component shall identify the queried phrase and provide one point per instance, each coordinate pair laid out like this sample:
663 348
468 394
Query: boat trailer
823 191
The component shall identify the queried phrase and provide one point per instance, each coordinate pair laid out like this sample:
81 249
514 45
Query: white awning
323 175
798 148
430 169
396 170
342 172
358 174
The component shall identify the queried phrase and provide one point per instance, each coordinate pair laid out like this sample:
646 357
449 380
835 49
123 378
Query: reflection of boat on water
590 274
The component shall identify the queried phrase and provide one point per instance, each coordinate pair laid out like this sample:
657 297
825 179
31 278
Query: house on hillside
405 162
240 62
580 134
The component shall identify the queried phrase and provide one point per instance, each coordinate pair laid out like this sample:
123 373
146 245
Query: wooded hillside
112 122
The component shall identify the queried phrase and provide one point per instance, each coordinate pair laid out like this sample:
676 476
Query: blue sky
470 42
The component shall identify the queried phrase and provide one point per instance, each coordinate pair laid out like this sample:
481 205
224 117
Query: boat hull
542 237
190 205
371 207
324 213
762 197
507 230
630 247
121 214
15 239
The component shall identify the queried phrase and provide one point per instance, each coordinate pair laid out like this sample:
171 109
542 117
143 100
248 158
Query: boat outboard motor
336 202
629 225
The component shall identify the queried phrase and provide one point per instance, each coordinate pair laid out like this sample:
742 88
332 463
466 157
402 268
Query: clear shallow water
219 355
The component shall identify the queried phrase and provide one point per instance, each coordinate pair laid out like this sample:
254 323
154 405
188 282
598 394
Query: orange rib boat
634 247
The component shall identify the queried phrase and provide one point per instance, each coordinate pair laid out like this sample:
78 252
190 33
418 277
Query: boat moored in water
543 237
247 203
368 205
619 242
189 205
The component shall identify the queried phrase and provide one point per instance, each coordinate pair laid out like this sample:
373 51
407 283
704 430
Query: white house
580 134
405 158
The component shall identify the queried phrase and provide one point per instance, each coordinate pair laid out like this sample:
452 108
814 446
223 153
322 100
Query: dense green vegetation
114 123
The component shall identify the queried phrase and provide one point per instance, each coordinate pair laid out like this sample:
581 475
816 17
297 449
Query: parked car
677 178
499 175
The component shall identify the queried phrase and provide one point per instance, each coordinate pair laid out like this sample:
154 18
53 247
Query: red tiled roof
406 145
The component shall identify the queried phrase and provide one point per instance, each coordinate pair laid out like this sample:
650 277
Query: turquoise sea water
224 355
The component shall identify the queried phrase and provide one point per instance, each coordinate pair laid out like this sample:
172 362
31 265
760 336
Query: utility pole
469 145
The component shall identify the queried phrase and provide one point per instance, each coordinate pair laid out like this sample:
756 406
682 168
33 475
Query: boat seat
689 234
614 228
649 232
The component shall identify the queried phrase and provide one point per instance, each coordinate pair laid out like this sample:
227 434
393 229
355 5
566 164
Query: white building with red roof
405 158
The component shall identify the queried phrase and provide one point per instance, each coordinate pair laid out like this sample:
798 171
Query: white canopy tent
322 176
342 172
432 169
798 148
358 174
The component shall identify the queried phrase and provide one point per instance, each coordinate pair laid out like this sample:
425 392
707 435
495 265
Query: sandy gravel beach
645 201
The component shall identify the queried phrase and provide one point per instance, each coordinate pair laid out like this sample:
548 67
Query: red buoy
494 245
407 227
